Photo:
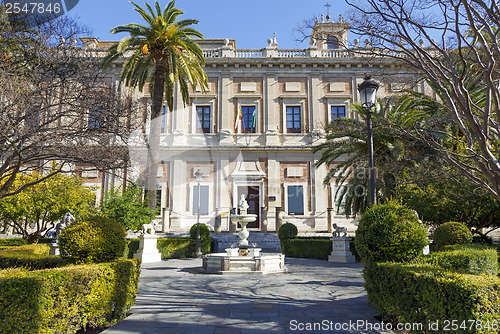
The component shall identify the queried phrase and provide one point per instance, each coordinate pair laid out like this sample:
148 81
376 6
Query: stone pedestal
54 248
148 252
341 252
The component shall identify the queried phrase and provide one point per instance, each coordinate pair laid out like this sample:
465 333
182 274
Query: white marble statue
66 220
149 227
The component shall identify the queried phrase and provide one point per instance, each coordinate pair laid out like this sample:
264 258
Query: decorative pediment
248 170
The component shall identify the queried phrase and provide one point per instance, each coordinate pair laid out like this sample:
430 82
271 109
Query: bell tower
328 34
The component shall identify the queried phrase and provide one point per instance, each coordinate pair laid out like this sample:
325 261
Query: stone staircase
269 242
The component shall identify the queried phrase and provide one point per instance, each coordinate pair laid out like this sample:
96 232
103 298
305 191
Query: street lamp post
368 91
197 253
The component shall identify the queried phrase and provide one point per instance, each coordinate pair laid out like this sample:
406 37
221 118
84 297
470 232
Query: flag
239 118
254 118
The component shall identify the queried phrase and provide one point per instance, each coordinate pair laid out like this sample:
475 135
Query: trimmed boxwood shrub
390 232
13 242
287 231
31 257
410 293
204 231
452 233
63 300
307 248
172 248
467 259
96 240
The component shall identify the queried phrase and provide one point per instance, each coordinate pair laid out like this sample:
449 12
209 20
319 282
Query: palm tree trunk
154 132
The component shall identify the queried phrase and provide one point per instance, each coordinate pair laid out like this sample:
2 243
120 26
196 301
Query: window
203 199
338 111
293 119
249 115
332 42
96 118
296 200
164 120
203 119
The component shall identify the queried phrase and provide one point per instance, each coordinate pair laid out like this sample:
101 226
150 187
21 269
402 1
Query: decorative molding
248 86
292 87
337 87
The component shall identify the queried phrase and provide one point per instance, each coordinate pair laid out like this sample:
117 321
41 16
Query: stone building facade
252 134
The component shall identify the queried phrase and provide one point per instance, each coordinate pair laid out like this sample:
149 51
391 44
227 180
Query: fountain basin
223 264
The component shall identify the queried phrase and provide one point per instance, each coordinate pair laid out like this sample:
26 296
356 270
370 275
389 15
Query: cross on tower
328 8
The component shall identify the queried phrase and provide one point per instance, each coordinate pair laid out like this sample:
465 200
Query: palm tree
164 53
345 151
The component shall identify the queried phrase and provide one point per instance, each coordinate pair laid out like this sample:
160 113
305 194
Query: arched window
332 42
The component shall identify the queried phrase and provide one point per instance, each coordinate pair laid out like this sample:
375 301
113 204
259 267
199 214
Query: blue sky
251 23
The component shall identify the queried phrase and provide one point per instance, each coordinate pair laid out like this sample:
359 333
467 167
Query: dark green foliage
390 232
127 208
204 231
287 231
466 259
452 233
31 257
96 240
13 242
173 248
411 293
63 300
307 248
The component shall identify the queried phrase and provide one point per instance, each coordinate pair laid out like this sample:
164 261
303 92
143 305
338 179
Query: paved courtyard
174 298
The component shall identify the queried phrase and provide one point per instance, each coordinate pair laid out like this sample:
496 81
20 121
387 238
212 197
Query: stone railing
275 53
248 53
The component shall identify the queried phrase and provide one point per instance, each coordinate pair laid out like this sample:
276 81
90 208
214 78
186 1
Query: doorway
252 195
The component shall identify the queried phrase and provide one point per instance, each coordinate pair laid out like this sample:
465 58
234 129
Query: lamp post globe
368 94
197 253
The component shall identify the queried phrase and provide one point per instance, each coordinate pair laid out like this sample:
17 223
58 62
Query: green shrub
97 240
452 233
307 248
173 248
204 232
13 242
287 231
31 257
422 293
63 300
465 259
390 232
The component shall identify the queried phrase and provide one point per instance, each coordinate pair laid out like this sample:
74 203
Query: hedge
466 259
13 242
63 300
307 248
419 293
311 248
172 248
32 257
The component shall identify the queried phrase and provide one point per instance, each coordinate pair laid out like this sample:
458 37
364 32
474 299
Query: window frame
203 121
299 114
243 128
304 197
192 188
337 114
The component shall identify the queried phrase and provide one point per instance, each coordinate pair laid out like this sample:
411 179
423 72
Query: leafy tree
453 45
166 46
345 151
448 196
127 208
39 207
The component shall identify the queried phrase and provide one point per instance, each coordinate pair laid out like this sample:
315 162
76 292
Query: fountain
243 258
